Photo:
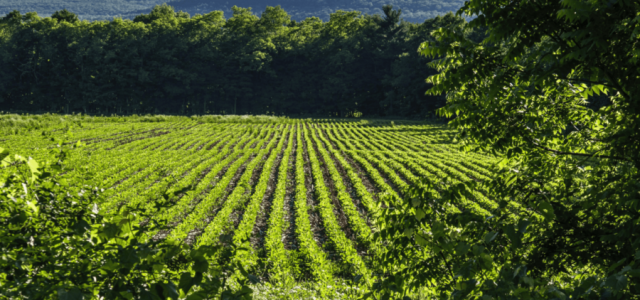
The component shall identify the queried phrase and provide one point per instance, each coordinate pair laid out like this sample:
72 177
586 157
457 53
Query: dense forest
171 62
413 10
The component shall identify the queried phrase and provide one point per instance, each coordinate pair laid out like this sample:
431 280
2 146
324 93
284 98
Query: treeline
173 63
412 10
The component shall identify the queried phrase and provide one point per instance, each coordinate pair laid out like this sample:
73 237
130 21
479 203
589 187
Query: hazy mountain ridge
412 10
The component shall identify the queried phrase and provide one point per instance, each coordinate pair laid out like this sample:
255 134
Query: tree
565 223
65 16
169 62
160 12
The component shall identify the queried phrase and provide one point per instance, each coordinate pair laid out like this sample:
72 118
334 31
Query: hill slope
412 10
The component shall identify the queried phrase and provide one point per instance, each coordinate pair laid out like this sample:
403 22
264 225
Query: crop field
302 194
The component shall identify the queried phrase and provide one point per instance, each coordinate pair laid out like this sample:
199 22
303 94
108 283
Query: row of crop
469 162
392 168
416 163
353 216
276 253
187 175
381 137
112 167
446 165
148 142
157 170
175 139
39 147
245 228
318 263
197 141
165 141
361 191
344 246
194 219
197 184
400 143
142 156
123 180
389 173
479 204
404 145
141 181
456 177
109 165
193 187
438 166
235 200
127 142
372 172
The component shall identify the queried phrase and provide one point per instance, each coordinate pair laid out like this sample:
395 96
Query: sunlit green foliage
293 202
566 224
57 243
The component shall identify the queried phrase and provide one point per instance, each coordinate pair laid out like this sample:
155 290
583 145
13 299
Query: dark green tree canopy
415 10
65 16
160 12
170 62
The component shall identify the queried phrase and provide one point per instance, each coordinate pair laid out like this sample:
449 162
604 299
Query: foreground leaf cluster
55 243
554 88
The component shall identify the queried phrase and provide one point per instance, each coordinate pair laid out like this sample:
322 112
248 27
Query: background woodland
413 10
172 63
